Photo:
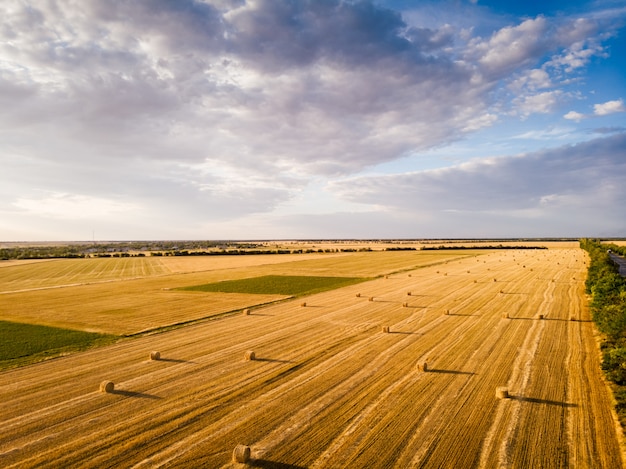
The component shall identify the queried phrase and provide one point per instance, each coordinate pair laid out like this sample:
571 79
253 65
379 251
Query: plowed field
330 389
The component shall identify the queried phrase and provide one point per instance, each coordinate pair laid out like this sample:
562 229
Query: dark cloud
582 177
328 86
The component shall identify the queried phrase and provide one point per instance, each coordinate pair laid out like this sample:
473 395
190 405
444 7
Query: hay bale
154 355
246 312
502 392
408 293
386 276
371 298
572 318
540 316
405 305
505 315
249 355
358 295
446 312
385 329
241 454
409 275
303 304
107 386
422 367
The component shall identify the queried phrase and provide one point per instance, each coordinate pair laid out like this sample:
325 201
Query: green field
21 343
278 285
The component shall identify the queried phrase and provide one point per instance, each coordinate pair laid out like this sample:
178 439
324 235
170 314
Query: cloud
602 109
73 206
610 107
511 47
316 87
574 186
541 103
574 116
214 110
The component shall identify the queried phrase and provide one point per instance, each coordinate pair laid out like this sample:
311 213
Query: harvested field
327 389
55 294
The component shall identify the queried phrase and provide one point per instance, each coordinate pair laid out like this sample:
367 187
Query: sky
312 119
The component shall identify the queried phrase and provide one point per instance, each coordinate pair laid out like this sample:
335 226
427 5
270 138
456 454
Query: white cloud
541 103
610 107
73 206
532 80
574 116
602 109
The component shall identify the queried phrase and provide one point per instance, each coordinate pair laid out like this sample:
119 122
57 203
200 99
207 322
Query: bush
608 309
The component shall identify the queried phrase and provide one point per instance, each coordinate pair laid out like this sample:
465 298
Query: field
126 296
24 343
328 387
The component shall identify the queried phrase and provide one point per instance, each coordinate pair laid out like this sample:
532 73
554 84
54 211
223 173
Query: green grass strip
28 343
278 285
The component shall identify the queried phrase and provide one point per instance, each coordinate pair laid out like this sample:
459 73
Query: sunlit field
400 370
130 295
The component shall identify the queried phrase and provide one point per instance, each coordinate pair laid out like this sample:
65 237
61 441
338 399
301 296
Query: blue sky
270 119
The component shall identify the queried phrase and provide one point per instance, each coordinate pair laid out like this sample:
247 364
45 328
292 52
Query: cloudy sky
280 119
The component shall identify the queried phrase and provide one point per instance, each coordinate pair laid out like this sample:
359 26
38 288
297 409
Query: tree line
607 289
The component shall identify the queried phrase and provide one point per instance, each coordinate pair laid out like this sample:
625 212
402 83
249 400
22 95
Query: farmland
328 387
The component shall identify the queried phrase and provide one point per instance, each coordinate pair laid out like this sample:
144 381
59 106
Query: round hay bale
241 454
409 275
475 281
540 316
246 312
446 312
405 305
572 318
386 276
107 386
385 329
408 293
502 392
422 367
371 298
505 315
154 355
303 304
358 295
495 280
249 355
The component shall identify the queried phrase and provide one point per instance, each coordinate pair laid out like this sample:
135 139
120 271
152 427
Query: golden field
328 387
